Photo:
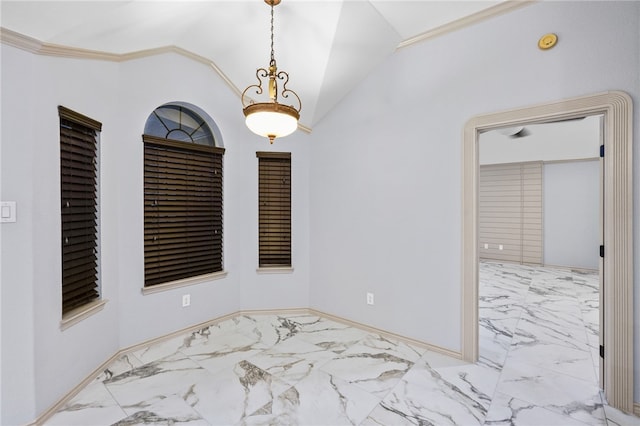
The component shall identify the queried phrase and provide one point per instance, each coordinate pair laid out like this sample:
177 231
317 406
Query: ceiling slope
326 46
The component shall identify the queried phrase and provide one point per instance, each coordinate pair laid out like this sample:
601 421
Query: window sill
275 270
158 288
75 316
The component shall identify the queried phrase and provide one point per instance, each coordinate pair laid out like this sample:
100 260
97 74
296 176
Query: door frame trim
616 108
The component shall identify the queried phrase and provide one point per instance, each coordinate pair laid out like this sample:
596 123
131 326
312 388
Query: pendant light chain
273 58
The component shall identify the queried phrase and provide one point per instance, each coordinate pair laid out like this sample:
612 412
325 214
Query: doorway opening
539 230
616 109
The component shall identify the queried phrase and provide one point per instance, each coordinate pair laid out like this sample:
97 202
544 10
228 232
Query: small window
274 209
179 123
79 211
182 197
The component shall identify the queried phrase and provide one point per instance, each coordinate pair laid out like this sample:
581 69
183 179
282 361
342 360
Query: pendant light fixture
271 118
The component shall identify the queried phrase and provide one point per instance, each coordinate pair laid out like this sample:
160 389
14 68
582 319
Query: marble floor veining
538 366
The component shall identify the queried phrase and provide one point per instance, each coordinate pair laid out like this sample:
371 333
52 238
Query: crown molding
20 41
35 46
38 47
498 9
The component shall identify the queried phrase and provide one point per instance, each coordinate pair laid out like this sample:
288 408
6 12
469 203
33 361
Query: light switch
7 211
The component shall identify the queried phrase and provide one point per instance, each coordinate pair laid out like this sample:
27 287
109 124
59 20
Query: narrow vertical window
182 197
274 209
79 208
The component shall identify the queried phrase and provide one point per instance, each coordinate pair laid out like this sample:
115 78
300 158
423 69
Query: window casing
183 202
274 209
79 209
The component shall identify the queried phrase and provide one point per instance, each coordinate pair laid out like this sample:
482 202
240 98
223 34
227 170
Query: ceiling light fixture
271 119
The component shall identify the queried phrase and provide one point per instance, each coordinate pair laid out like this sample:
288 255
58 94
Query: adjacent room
423 213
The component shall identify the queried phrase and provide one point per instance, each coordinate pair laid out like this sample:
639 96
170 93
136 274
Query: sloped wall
386 170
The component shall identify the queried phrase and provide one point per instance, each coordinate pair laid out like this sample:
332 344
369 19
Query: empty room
297 212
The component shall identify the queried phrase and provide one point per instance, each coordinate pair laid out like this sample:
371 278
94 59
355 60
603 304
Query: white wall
61 355
376 195
18 356
385 176
153 83
161 79
571 214
41 363
39 360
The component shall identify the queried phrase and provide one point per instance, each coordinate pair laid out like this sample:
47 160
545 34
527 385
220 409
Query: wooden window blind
510 212
274 209
79 210
182 210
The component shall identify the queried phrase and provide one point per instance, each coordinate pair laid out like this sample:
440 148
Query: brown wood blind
182 210
79 210
510 212
274 209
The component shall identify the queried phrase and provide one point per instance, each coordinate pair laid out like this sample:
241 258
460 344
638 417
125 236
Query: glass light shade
271 119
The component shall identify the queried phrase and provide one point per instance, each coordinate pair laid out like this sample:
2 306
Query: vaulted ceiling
326 46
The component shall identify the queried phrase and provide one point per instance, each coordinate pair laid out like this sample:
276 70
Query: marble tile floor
538 366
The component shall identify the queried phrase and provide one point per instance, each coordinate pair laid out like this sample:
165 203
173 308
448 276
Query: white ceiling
326 46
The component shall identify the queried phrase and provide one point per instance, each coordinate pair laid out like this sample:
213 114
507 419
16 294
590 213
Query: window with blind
79 209
274 209
510 212
182 198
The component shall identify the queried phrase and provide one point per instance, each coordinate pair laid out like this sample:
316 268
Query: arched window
179 122
182 195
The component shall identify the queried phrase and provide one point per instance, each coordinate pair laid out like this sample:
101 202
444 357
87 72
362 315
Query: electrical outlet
486 246
369 298
186 300
500 247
